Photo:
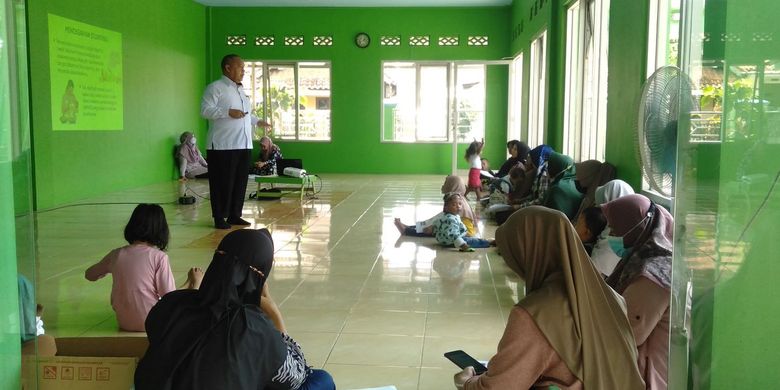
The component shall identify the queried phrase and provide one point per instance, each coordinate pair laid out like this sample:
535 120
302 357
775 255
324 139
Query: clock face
362 40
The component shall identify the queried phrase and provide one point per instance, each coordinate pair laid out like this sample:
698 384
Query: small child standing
474 157
141 272
450 230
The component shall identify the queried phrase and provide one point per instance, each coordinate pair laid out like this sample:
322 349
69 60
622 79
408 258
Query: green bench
294 183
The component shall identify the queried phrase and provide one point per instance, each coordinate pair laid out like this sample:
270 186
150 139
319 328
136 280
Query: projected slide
86 76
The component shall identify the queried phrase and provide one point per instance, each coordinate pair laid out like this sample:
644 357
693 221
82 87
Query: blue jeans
318 380
475 242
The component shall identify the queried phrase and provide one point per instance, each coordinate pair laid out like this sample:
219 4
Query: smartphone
463 360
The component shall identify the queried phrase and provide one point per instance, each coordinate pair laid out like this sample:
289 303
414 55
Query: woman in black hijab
518 152
218 337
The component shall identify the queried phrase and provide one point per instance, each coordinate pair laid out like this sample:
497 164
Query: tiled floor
371 307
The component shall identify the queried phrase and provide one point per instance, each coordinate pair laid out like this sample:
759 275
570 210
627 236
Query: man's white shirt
227 133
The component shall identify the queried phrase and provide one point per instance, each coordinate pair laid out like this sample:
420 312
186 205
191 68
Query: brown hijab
591 174
454 184
583 319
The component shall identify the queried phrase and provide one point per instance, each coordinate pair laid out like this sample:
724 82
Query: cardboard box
86 363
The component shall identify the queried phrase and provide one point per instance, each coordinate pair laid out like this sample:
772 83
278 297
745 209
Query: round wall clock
362 40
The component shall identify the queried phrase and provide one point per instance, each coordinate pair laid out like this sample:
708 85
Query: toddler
450 230
474 157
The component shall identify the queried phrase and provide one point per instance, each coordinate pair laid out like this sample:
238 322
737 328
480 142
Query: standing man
229 142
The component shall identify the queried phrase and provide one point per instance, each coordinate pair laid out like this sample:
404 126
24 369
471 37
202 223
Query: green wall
16 237
746 300
356 75
627 48
164 57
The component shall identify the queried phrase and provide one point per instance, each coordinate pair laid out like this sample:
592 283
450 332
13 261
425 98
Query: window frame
659 35
266 88
452 100
515 103
585 85
536 131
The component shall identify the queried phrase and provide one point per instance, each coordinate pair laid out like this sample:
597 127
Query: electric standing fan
665 96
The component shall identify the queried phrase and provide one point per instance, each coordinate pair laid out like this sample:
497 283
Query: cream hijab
612 190
583 319
455 184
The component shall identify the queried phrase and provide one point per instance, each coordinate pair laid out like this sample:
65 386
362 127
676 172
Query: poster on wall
85 63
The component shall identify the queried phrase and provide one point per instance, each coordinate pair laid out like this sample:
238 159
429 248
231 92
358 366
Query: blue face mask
616 243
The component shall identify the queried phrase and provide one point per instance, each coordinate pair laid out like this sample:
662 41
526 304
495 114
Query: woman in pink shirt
141 272
641 234
570 330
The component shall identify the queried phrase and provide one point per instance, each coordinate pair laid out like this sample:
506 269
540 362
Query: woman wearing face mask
602 255
641 234
191 162
570 330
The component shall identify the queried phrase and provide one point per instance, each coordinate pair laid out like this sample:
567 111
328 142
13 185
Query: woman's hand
260 164
463 376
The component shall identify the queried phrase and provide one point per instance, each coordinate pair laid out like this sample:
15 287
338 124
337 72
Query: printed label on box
49 372
67 373
85 373
103 374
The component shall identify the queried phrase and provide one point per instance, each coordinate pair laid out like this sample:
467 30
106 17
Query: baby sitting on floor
450 230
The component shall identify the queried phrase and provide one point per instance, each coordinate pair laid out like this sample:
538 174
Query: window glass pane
281 99
470 93
433 102
516 99
253 86
314 102
572 108
399 102
537 99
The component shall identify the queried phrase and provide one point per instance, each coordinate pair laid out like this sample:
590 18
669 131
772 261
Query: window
421 100
662 49
537 89
585 100
663 34
515 109
293 96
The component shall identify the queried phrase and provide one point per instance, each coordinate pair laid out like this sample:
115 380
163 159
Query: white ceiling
354 3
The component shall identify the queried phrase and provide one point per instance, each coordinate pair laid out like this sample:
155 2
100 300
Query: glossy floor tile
372 307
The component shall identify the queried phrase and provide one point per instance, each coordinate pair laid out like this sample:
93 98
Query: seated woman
533 188
590 175
191 162
571 329
518 153
641 234
34 342
221 337
612 190
562 194
425 228
266 162
603 257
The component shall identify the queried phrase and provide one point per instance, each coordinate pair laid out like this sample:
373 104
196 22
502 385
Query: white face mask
192 141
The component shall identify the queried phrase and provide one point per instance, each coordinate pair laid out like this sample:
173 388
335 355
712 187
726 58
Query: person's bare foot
399 225
194 277
466 248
